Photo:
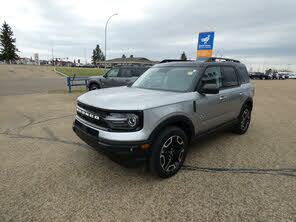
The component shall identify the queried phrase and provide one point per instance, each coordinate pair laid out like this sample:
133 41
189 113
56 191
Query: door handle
222 97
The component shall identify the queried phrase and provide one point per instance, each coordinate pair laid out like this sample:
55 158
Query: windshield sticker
191 72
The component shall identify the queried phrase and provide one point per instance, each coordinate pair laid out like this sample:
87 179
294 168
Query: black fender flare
249 101
178 120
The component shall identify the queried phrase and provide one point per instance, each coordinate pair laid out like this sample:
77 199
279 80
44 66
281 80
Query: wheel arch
180 121
249 102
93 82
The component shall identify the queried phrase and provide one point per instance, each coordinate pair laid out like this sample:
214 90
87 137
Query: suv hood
129 98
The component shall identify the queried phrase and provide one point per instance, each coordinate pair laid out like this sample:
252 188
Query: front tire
94 86
244 120
168 152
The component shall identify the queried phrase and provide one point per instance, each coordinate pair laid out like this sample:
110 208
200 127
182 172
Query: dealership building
126 61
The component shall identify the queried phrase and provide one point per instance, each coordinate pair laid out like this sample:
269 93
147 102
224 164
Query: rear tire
244 120
168 152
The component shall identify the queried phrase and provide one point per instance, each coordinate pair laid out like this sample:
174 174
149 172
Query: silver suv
171 104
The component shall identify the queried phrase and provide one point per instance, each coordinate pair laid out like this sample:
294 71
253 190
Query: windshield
178 79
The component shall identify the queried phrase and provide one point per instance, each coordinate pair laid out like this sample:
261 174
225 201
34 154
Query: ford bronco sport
167 107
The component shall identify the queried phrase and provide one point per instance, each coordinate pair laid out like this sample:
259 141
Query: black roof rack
218 59
175 60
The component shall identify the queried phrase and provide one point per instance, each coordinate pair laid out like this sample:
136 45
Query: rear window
244 75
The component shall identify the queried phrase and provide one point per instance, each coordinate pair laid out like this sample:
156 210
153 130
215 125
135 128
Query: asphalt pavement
48 174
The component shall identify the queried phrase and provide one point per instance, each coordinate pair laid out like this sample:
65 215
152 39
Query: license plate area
87 129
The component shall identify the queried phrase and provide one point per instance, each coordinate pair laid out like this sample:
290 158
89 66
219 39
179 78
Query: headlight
123 121
132 120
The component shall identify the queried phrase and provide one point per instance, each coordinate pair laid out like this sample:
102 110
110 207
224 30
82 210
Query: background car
292 76
117 76
258 75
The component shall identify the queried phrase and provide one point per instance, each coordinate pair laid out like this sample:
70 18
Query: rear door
125 76
137 72
230 92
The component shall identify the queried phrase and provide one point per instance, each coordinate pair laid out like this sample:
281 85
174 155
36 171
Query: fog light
144 146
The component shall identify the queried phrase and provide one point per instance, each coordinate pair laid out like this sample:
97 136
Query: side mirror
209 89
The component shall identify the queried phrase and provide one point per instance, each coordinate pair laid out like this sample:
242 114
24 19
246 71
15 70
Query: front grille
101 123
92 109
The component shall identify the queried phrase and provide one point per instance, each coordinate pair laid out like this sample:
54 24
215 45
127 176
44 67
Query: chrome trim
90 125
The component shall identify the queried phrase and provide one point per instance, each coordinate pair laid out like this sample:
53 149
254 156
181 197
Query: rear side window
126 73
138 72
244 75
229 77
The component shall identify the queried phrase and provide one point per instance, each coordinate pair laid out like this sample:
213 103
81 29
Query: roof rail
219 59
175 60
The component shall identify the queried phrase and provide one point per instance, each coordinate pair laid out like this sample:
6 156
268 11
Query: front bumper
127 151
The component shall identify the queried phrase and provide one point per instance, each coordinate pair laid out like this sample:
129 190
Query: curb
60 73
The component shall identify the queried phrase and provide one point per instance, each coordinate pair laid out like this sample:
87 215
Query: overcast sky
255 31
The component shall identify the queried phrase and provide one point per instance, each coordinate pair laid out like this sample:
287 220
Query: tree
8 50
131 56
123 56
183 56
97 55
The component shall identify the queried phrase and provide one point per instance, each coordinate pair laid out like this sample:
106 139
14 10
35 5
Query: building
126 61
25 61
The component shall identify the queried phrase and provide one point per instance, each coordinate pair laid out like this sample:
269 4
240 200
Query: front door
211 109
111 79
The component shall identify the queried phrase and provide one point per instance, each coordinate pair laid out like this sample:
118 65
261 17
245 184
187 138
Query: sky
259 33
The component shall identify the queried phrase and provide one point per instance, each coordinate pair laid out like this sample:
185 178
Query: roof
136 59
209 61
179 64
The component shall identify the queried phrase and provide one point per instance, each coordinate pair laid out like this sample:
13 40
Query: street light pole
106 35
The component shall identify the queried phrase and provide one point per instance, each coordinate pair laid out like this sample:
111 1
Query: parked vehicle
172 103
259 75
118 76
292 76
283 75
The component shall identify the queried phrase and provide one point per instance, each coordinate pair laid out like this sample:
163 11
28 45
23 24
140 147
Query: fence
76 81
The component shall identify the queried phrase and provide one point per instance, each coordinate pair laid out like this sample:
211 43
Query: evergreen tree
183 56
123 56
131 56
97 55
8 50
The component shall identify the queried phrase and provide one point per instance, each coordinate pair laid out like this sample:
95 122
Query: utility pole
52 58
106 35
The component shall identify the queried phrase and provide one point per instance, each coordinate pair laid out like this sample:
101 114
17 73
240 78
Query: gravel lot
48 174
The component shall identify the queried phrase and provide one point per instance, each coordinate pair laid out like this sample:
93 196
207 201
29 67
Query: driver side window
113 73
212 75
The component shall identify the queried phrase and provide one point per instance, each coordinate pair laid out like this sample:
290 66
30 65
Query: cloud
155 29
